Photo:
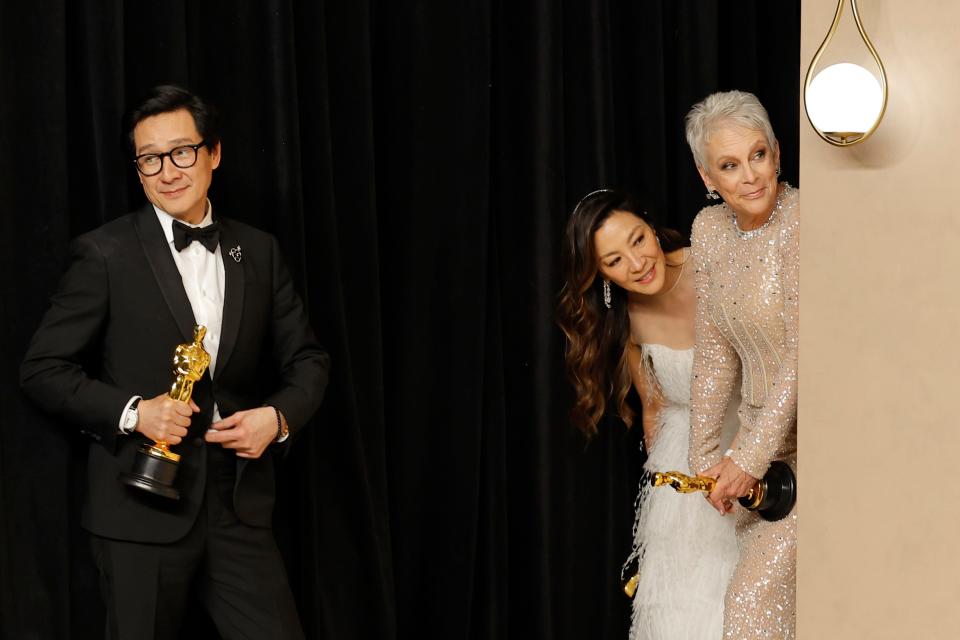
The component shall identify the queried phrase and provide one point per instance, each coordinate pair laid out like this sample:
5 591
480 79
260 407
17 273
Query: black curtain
417 161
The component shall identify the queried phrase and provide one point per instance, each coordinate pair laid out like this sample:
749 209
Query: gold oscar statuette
155 466
772 497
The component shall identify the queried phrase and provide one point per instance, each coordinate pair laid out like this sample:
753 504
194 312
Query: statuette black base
778 493
153 473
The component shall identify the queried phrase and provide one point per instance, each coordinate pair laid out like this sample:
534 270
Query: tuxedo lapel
233 294
157 250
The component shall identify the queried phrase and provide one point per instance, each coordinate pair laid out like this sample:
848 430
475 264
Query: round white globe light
844 98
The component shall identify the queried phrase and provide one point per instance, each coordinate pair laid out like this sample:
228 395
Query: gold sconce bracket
846 138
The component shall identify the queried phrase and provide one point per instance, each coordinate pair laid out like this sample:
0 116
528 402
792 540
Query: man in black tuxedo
102 360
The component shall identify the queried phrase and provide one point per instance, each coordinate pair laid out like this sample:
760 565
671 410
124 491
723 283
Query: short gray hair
737 107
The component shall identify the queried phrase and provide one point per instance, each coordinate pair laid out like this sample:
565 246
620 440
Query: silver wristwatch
131 417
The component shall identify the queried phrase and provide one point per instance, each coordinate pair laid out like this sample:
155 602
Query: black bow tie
183 235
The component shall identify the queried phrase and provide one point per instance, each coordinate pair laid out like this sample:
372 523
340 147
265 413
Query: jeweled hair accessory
588 196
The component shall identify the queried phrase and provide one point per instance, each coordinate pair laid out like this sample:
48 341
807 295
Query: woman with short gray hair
747 264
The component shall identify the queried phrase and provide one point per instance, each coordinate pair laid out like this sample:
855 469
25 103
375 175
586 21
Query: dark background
417 161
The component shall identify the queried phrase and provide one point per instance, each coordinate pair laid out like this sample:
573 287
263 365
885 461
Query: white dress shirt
203 280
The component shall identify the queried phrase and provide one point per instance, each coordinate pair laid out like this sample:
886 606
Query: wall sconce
844 102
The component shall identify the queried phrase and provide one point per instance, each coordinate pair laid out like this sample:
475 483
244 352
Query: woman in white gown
627 309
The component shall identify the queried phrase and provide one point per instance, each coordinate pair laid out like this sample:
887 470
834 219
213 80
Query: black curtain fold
417 162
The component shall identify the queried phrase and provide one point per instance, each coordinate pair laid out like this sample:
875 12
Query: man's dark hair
166 98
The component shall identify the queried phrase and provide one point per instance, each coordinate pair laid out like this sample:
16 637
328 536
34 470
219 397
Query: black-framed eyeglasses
184 157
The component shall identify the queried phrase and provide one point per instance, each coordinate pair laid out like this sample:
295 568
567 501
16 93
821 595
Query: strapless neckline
657 345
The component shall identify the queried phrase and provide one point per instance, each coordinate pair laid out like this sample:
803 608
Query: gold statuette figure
190 362
683 483
155 467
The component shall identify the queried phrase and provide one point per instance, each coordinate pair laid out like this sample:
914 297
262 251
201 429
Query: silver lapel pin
235 253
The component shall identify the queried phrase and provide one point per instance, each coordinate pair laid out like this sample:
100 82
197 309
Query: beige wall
880 329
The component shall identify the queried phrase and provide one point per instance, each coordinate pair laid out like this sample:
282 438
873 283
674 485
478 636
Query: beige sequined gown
747 318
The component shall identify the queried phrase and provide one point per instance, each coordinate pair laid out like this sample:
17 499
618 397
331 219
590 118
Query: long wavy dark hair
597 337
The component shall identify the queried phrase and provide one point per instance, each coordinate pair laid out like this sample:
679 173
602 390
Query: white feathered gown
687 551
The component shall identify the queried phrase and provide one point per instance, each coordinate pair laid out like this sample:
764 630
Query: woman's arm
648 391
754 449
715 362
779 414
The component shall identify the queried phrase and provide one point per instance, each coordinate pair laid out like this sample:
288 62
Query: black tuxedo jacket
110 333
